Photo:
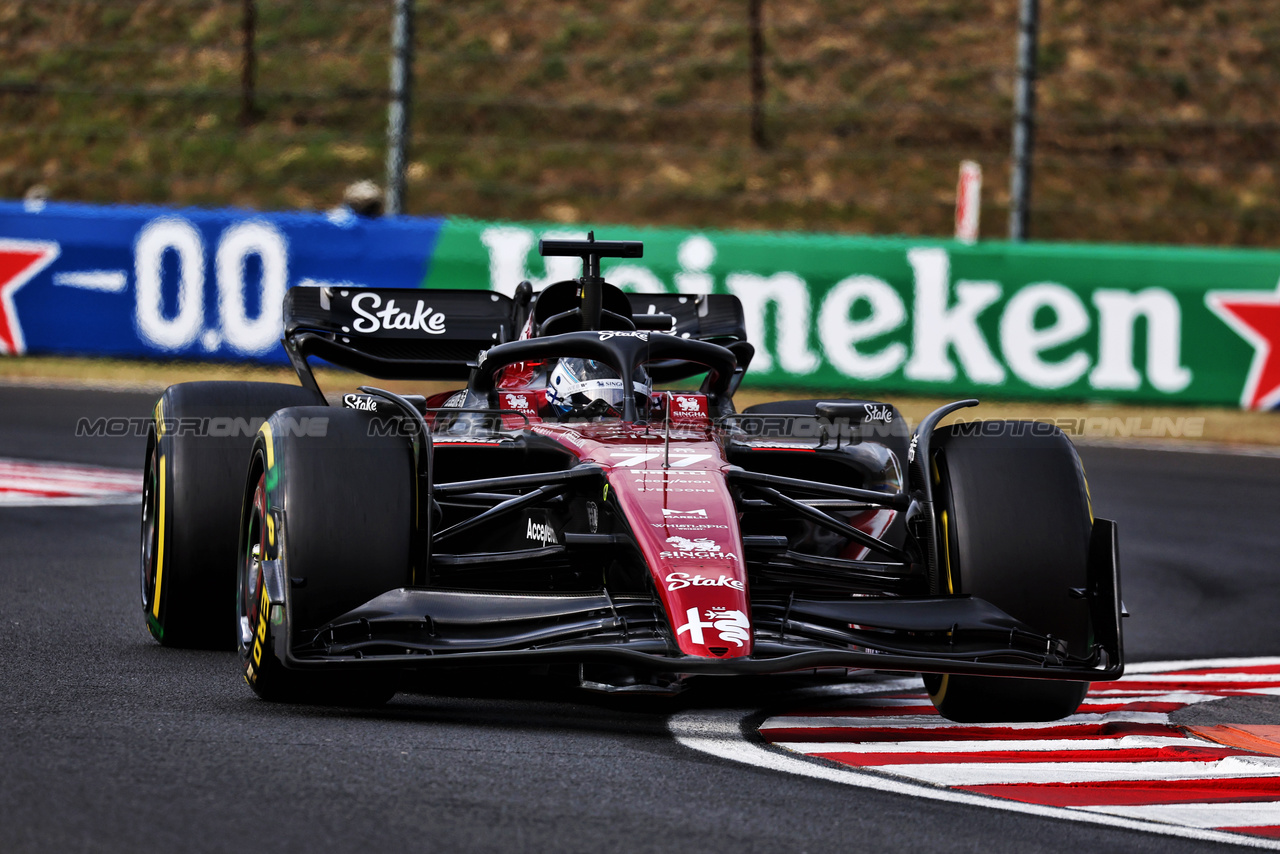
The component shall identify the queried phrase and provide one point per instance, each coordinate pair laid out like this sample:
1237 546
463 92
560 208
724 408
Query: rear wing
438 334
395 333
717 318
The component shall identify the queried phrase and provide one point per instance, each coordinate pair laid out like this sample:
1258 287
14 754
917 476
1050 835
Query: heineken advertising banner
860 315
879 315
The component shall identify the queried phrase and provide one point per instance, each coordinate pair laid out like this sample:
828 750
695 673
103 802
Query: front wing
413 628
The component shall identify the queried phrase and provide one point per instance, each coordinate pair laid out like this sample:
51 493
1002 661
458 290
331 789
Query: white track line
1119 696
1207 679
1127 742
934 721
998 773
1201 664
1258 814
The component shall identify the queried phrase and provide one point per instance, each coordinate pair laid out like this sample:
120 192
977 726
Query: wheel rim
150 531
250 575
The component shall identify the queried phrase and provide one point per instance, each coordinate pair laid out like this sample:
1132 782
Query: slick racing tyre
327 525
1013 510
197 450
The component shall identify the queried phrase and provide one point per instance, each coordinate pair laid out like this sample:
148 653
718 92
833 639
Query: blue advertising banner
198 284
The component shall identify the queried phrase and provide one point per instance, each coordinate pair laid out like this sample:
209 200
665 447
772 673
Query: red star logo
20 260
1255 316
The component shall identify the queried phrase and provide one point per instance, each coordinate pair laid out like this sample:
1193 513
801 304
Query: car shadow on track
518 698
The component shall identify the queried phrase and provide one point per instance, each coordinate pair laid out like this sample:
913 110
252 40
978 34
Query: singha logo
518 401
688 404
701 544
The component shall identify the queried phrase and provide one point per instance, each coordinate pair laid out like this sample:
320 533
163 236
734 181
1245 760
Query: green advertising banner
874 315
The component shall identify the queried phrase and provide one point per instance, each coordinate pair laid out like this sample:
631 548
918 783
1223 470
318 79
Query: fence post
249 64
398 110
1024 121
757 74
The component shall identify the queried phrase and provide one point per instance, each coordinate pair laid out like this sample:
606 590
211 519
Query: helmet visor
576 385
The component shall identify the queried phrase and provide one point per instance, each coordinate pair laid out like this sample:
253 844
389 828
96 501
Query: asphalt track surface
109 742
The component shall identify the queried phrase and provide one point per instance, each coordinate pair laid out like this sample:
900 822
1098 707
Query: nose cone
706 591
686 525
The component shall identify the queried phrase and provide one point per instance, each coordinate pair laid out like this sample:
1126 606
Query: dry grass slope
1156 122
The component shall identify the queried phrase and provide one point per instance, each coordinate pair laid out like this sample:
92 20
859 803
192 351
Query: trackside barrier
873 315
192 284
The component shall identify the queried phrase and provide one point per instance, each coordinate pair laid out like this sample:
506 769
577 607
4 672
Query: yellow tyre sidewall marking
155 600
946 550
265 430
946 530
941 694
937 697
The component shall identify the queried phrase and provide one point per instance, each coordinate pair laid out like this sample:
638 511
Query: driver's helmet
586 388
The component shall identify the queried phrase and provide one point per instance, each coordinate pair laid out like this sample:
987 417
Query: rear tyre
335 506
1013 511
197 448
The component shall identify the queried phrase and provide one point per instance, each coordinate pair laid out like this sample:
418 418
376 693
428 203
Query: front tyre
989 699
1014 516
327 525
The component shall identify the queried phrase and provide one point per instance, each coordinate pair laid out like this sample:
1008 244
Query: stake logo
422 318
365 402
681 580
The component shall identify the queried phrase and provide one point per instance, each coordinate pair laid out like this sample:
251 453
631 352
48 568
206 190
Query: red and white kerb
24 483
1118 756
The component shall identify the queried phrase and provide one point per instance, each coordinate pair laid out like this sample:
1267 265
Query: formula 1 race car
560 512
